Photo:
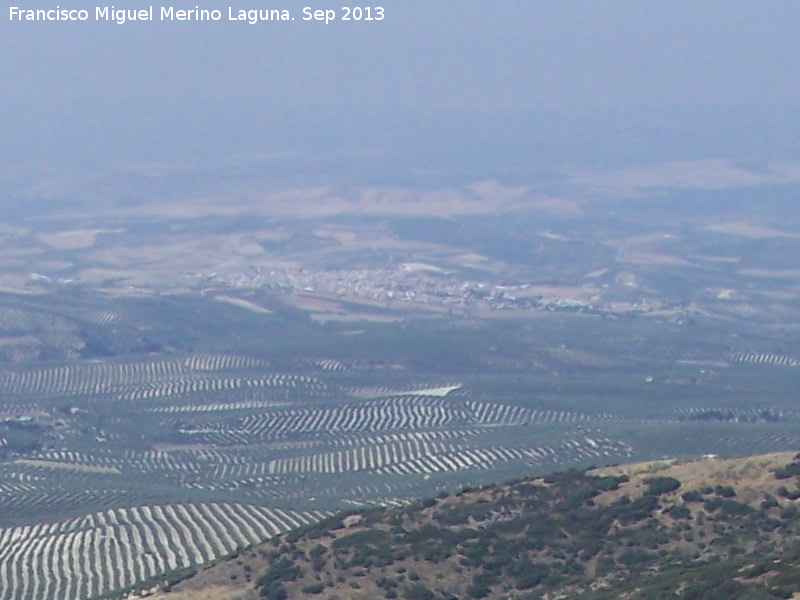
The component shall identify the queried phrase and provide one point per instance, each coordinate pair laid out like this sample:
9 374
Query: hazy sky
79 85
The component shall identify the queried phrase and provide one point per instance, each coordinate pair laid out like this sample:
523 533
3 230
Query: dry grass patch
211 592
752 476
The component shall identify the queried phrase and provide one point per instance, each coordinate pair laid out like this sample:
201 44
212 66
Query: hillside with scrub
707 529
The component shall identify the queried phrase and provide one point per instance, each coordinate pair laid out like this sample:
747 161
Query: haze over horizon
542 81
266 278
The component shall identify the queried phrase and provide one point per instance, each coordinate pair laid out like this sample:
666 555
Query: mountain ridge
710 528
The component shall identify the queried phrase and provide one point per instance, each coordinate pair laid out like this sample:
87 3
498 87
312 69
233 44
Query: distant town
420 285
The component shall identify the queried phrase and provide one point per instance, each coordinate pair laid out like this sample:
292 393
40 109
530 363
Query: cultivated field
159 411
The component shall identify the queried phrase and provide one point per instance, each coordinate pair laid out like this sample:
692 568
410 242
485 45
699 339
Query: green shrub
274 591
769 502
679 511
725 491
477 590
692 496
528 575
732 507
418 591
661 485
787 471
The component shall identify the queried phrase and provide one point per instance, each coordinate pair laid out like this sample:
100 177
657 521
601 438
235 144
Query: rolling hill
713 528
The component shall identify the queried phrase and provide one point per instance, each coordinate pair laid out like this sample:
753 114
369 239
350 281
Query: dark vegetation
575 534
